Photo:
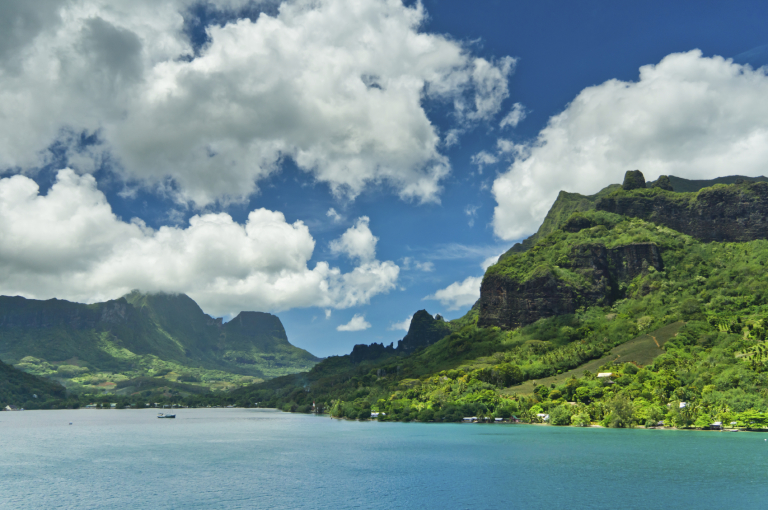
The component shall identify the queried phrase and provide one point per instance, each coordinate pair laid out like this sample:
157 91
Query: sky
344 163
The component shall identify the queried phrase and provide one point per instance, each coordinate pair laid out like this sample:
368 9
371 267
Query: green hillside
144 342
684 336
26 391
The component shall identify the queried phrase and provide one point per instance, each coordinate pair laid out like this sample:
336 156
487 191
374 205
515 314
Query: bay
256 458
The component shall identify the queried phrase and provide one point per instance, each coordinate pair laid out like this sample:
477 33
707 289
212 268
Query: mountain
632 306
156 340
27 391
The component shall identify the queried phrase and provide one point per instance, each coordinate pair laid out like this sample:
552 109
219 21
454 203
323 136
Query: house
543 416
113 405
374 415
469 419
10 407
718 425
604 374
498 420
683 404
92 406
514 419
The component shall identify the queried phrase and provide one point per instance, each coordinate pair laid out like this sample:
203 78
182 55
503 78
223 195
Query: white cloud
408 263
514 117
483 158
689 116
333 215
490 261
358 242
471 211
357 323
69 244
403 325
427 267
459 294
337 85
327 313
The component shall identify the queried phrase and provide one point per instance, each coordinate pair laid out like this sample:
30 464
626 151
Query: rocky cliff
508 302
725 213
423 331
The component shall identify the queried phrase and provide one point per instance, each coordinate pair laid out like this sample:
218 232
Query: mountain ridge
143 335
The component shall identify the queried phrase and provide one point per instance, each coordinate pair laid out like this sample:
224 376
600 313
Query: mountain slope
167 337
672 318
24 390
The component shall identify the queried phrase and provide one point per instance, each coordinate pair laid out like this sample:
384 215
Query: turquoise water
242 458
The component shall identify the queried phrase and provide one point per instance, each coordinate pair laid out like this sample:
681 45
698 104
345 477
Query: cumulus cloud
459 294
357 323
403 325
514 117
69 244
490 261
689 116
336 85
358 242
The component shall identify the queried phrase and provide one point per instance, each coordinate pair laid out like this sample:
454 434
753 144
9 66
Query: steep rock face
721 213
507 303
423 331
362 352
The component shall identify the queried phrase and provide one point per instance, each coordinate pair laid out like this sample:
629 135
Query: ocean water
252 458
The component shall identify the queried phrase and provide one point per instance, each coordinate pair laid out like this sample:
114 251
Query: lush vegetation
716 363
158 342
685 345
27 391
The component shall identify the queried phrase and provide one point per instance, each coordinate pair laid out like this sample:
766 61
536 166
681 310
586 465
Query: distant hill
24 390
152 338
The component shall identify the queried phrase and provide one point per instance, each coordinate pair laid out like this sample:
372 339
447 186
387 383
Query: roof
605 374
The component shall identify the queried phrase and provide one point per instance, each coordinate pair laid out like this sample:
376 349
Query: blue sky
174 146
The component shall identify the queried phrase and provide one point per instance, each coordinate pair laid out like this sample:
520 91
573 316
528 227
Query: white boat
166 415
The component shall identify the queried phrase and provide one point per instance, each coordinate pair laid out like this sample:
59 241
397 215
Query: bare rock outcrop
507 303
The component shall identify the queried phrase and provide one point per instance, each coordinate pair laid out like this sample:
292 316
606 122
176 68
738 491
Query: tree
580 420
620 413
560 415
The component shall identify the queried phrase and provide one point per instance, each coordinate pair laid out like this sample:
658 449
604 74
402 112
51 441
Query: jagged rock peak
423 331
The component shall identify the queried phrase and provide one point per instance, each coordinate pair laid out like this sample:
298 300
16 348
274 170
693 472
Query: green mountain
143 342
27 391
664 291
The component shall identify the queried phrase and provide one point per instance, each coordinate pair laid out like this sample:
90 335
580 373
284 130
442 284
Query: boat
166 415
